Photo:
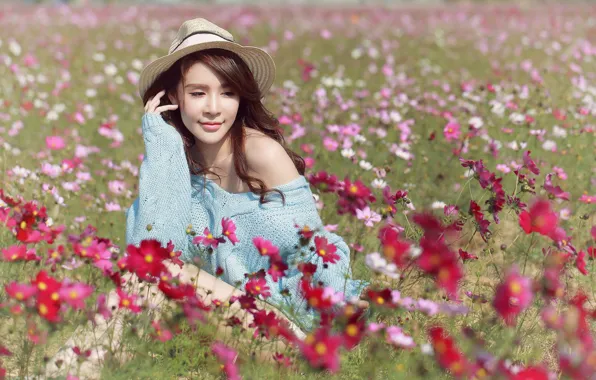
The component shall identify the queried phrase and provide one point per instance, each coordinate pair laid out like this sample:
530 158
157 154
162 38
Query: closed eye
202 93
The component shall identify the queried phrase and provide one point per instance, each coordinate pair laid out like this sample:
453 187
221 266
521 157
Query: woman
213 153
217 153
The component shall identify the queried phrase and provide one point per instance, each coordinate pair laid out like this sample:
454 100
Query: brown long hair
251 112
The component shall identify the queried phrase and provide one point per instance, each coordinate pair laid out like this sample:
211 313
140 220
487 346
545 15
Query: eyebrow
204 86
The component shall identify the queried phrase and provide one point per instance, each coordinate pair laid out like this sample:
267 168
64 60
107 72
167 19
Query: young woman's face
209 107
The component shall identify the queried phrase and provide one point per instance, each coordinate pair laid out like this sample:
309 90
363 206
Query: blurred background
304 2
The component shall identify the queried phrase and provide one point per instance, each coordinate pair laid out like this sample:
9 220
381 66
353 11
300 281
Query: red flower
47 307
326 250
513 296
229 230
257 286
540 219
147 260
465 256
394 249
322 349
531 373
353 196
446 352
381 298
580 263
176 292
277 268
316 297
324 181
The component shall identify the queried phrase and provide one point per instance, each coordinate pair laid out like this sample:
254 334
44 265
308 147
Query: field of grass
396 98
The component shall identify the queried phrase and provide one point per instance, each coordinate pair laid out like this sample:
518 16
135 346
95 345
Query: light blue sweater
170 199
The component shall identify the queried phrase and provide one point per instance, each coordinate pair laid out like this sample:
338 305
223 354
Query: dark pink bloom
530 164
20 292
258 286
326 250
227 357
555 191
539 219
580 263
161 334
265 247
452 131
229 230
208 239
513 296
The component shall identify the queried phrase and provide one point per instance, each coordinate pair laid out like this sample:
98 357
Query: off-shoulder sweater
171 199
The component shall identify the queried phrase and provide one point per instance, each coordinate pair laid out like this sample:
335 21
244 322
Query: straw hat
199 34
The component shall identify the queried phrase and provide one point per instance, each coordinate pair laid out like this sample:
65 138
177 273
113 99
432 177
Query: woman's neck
211 155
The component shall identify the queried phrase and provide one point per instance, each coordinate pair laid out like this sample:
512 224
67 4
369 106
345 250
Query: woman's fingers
168 107
154 102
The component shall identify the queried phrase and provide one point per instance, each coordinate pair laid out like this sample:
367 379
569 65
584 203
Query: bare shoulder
268 160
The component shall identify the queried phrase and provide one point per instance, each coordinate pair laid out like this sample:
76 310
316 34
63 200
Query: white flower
137 64
356 53
49 222
498 108
549 145
517 118
14 48
426 349
415 251
559 132
378 183
476 122
365 165
98 57
359 138
348 152
110 69
378 264
438 205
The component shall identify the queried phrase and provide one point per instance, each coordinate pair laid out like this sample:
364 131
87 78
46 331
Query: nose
212 106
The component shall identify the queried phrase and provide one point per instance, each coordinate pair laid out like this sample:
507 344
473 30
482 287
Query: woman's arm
162 209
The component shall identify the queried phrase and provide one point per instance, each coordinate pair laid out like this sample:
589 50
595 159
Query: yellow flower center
320 348
125 302
515 287
23 225
352 330
55 296
19 296
73 294
209 236
42 286
148 258
43 309
322 252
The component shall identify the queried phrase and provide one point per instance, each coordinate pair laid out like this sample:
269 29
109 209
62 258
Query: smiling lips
211 126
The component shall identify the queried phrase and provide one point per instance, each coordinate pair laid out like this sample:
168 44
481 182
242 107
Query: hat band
199 38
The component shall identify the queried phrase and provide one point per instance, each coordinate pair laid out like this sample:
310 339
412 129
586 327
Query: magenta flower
555 191
452 131
513 296
20 292
208 239
258 286
530 164
265 247
161 334
229 230
227 357
75 294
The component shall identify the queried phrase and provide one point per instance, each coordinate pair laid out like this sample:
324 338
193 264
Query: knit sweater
171 199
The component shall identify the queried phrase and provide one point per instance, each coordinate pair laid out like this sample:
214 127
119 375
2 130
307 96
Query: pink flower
589 199
208 239
55 142
229 230
161 334
513 296
20 292
555 191
75 294
227 357
452 131
265 247
127 301
103 307
370 217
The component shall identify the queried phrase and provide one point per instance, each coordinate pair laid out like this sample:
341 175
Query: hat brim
258 61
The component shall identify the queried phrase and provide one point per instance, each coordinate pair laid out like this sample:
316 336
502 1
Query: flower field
452 148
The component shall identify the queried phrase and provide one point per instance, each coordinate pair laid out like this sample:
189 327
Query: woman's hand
153 103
